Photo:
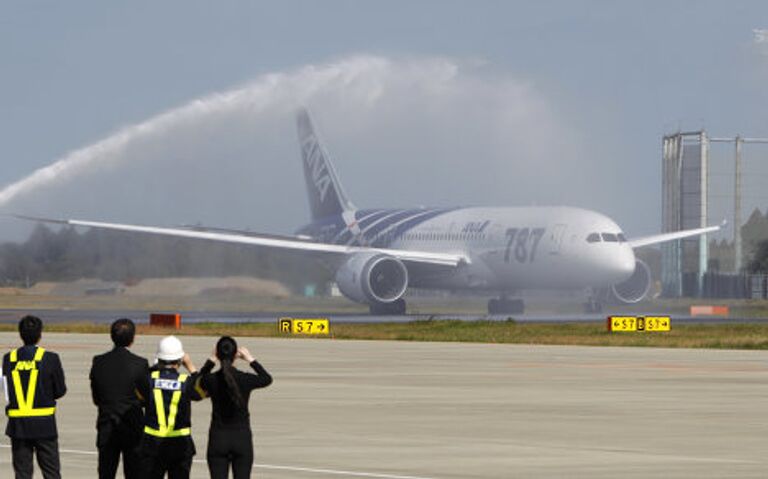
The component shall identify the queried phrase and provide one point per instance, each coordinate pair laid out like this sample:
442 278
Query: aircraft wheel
396 308
493 306
506 306
593 306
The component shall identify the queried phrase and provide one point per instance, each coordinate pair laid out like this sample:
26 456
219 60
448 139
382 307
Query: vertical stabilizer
326 196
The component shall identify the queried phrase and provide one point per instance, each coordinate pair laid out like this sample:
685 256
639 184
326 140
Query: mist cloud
429 131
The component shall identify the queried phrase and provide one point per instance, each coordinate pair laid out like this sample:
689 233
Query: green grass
715 336
243 303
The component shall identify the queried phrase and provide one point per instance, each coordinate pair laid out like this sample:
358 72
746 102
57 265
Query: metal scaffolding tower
684 206
685 181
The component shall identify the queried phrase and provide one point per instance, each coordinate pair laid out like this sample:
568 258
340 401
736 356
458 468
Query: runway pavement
107 316
389 410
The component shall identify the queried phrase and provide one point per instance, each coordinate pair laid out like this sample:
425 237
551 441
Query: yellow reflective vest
168 405
25 378
34 381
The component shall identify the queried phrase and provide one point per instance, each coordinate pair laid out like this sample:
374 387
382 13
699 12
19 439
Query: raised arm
262 378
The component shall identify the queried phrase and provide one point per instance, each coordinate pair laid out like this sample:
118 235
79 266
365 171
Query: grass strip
711 336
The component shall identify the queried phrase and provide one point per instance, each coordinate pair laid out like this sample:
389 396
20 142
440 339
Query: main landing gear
505 306
395 308
593 305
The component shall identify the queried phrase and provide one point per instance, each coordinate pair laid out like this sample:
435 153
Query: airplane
376 255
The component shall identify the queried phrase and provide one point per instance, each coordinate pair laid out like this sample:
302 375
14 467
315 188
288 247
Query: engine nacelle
636 288
372 278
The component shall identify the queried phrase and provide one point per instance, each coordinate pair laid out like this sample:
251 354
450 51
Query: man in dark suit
120 423
34 380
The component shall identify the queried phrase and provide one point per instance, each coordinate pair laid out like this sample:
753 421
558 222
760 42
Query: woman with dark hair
229 438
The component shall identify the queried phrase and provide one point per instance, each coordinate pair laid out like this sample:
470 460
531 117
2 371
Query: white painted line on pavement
335 472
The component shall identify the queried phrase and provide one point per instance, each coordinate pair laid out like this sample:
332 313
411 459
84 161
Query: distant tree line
753 233
759 262
67 254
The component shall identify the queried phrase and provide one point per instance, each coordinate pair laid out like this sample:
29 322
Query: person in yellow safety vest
34 380
167 445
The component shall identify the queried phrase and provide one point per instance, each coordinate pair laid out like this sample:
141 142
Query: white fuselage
523 248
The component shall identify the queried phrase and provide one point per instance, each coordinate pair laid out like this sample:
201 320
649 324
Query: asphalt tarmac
101 316
407 410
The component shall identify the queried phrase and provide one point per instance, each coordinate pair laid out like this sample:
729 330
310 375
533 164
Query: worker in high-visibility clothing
34 380
167 445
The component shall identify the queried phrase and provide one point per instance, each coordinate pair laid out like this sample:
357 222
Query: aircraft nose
625 263
619 265
614 266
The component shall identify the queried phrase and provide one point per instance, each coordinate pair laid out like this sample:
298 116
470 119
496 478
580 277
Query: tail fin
326 196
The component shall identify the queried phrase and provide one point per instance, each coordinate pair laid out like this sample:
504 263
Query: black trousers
112 443
47 451
169 455
229 448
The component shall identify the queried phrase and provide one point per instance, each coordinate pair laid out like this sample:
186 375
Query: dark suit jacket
53 387
114 378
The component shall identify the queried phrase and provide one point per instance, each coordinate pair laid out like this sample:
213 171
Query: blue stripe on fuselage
409 225
401 229
372 216
325 230
370 235
362 217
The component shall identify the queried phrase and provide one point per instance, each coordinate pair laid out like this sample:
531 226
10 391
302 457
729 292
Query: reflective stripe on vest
26 401
166 425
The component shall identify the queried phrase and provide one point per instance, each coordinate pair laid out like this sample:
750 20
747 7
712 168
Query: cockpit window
622 238
593 238
610 237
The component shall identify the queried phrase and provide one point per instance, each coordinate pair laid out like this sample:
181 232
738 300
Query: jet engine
634 289
373 278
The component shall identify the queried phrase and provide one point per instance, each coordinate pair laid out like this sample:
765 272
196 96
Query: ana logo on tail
326 197
313 156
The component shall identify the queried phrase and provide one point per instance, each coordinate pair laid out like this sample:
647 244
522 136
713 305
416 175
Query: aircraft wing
270 241
216 229
662 238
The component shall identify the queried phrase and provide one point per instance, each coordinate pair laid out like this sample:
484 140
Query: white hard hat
169 349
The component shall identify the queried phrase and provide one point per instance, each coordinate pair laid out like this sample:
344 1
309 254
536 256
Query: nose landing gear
593 305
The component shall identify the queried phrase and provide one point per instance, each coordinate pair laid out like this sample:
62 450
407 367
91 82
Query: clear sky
593 83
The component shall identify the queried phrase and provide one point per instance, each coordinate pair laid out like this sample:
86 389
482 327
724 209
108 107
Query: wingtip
37 219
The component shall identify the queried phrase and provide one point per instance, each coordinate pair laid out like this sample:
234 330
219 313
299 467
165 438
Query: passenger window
593 238
610 237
